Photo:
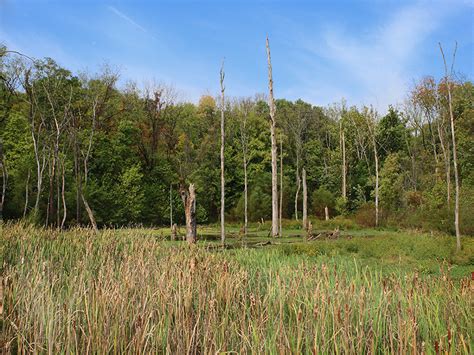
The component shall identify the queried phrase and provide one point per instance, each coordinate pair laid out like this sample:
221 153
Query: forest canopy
78 147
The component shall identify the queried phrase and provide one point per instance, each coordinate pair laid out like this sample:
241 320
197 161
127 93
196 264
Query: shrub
341 222
365 215
413 199
391 183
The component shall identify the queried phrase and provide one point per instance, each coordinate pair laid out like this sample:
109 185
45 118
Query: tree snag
189 201
222 76
453 137
271 104
281 186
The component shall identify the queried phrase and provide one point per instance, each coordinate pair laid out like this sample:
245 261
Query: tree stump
174 231
335 234
309 231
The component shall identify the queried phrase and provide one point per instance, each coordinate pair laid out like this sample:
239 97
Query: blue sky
369 52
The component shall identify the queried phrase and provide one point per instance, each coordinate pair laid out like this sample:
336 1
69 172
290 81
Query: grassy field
133 290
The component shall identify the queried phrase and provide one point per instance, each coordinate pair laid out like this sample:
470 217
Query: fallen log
262 244
335 234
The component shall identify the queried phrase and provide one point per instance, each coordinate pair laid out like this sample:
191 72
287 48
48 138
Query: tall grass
126 292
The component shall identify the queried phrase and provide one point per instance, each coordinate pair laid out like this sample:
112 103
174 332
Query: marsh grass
124 291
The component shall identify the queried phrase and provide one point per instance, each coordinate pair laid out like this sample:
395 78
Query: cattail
449 338
252 300
193 264
300 314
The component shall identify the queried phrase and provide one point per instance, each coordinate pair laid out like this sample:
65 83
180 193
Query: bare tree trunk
189 200
271 104
305 201
298 185
453 137
222 75
448 172
58 198
27 190
245 197
281 185
344 172
89 212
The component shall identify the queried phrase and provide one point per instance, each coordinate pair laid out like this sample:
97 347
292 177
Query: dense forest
78 148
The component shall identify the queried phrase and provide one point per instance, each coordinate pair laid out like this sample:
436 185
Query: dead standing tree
271 104
222 75
188 195
448 81
280 213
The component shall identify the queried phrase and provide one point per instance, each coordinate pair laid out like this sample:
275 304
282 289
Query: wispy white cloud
127 18
377 64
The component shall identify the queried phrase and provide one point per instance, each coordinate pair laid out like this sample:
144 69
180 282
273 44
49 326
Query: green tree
391 183
391 133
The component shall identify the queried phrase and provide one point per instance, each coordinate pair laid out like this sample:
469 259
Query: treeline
76 149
